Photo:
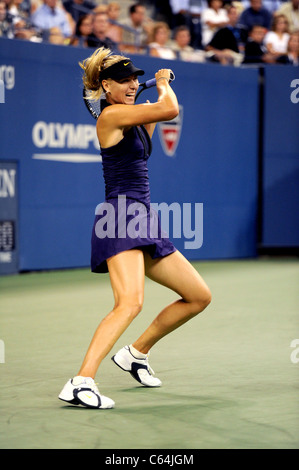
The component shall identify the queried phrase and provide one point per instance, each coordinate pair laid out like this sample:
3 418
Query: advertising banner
203 169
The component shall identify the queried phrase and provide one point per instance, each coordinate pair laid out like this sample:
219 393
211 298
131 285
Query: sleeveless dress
126 219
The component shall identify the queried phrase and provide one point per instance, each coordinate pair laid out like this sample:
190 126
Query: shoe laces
94 387
92 384
148 366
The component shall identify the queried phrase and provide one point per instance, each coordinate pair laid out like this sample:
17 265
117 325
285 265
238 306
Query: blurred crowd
225 31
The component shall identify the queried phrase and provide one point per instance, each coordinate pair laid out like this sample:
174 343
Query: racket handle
152 82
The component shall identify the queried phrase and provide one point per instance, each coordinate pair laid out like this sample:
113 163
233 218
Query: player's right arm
120 116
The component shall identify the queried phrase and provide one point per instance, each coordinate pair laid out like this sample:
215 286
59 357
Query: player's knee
135 308
131 306
207 297
203 300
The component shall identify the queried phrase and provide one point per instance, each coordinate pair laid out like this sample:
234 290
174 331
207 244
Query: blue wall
47 130
281 158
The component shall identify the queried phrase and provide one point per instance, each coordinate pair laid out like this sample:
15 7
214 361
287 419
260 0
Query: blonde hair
100 60
276 19
155 29
100 9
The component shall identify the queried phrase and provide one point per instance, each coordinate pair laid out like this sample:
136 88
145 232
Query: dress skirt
123 224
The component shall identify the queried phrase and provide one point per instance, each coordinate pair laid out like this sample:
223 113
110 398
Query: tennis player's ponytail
93 66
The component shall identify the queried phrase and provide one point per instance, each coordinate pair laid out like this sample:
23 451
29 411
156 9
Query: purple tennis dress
126 220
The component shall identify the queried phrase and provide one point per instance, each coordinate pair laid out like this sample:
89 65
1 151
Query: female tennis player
124 131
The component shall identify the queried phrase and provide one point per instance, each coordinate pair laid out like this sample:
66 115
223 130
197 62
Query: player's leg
126 270
127 279
175 272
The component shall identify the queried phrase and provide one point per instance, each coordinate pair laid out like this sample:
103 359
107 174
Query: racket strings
93 106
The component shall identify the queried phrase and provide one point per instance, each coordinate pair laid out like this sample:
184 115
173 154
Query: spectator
196 8
188 12
6 27
98 37
271 5
114 32
137 31
163 12
102 8
256 14
18 15
159 43
83 30
56 36
180 12
212 18
24 31
181 46
255 50
291 11
227 44
19 7
277 40
77 8
18 11
292 55
35 4
181 43
48 16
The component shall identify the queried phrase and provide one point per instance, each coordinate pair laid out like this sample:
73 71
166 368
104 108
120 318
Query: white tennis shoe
138 368
84 391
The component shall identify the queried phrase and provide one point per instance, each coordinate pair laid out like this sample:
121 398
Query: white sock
78 379
136 353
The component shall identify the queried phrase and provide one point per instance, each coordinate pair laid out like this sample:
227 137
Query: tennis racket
94 106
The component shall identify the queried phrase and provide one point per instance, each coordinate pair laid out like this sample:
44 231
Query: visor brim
120 70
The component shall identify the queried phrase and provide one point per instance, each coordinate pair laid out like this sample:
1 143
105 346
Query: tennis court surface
230 376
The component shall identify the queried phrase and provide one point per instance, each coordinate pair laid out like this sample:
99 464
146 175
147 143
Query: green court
230 376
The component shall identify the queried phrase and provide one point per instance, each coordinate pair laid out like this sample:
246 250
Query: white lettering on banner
2 92
295 93
7 183
68 157
7 74
67 135
5 257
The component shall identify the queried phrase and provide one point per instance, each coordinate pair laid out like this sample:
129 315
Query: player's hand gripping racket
94 106
152 82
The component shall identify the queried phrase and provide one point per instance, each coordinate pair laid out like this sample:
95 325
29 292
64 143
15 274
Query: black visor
120 70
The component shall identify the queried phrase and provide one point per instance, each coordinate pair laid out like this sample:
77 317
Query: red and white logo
170 133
